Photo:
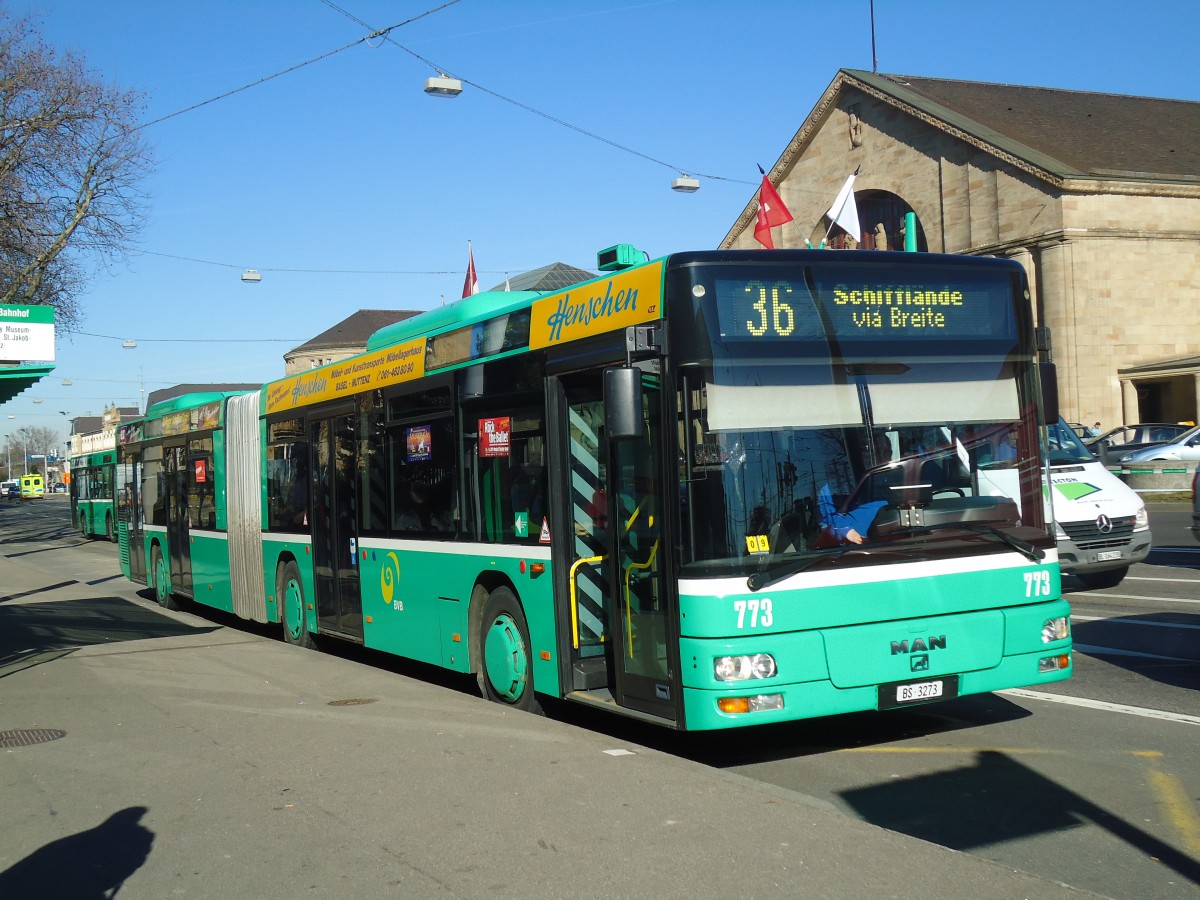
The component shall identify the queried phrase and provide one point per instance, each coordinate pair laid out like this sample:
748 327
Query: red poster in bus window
201 471
494 436
419 443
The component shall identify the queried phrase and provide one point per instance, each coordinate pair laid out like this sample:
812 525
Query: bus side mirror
1049 376
623 403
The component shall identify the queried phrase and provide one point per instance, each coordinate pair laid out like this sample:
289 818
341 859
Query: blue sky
349 188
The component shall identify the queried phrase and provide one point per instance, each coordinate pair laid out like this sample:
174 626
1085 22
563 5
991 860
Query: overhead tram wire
528 108
382 32
113 337
225 265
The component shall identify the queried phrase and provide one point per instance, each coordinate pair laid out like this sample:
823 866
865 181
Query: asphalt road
149 753
1093 782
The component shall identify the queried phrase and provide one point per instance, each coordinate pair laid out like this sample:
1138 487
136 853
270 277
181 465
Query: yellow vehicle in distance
33 487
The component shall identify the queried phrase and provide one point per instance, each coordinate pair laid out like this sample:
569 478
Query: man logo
936 642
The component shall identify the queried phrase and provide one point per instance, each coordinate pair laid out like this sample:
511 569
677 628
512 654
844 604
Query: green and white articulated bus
711 490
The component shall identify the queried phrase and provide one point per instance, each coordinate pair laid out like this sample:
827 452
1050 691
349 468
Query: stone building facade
1097 195
93 434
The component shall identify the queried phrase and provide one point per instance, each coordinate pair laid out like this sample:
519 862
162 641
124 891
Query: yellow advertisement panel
372 371
628 298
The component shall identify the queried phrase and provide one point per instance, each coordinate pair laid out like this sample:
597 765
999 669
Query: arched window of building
881 215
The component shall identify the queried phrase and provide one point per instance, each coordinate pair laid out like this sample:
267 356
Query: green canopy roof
15 379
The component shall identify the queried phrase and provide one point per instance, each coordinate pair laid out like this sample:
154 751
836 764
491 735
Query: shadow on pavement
1167 640
792 740
39 632
945 808
92 864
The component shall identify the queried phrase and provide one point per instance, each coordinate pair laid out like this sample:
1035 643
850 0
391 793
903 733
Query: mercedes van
1100 522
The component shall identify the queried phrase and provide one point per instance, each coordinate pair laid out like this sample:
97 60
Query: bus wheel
290 591
83 529
110 530
505 672
162 580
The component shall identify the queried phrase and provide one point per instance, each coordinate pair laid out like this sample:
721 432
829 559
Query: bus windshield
810 427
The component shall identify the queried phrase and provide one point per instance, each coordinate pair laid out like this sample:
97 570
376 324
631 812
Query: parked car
1110 446
1185 447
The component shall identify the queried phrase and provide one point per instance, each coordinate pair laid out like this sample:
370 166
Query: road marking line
1129 597
1101 705
1097 650
1171 580
1178 807
1123 621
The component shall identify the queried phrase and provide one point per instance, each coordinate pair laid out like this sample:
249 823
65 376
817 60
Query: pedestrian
1094 431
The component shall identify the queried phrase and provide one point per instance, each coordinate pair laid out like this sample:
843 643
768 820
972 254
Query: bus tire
161 573
505 658
110 530
290 591
83 529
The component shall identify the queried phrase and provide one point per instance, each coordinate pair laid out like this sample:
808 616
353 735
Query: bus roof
189 401
477 307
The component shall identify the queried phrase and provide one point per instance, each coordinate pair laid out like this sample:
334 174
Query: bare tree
32 440
71 161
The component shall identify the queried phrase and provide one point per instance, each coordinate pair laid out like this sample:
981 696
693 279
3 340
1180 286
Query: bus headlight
1058 629
743 668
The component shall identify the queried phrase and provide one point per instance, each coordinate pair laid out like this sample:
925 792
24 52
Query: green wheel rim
293 609
506 658
162 579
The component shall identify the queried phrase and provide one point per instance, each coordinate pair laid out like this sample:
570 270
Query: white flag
844 212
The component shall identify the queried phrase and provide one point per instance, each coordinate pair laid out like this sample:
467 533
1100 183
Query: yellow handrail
574 598
629 593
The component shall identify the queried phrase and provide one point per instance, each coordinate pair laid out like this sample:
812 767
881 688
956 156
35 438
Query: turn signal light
1054 663
756 703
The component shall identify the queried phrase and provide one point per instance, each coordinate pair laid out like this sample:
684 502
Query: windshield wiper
760 580
1025 548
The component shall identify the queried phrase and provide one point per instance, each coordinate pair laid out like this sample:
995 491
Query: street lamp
443 85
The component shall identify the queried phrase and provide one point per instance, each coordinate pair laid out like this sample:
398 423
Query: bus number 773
759 610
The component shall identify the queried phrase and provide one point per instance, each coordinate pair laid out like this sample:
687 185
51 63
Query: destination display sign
871 308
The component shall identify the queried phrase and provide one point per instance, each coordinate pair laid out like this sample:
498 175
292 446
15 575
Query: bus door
129 517
175 496
334 532
620 611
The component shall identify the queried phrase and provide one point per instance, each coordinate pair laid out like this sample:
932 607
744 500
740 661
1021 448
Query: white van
1100 522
